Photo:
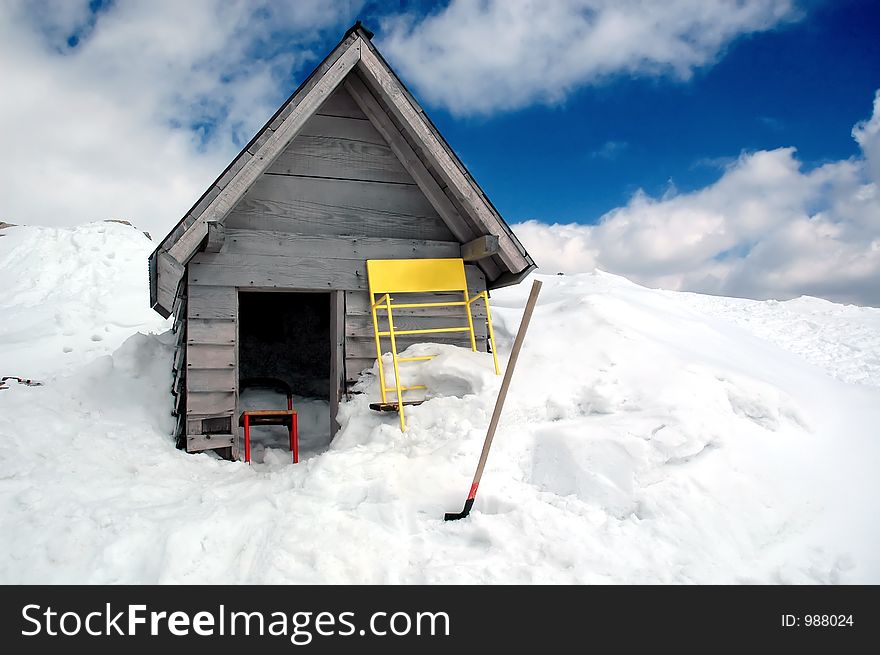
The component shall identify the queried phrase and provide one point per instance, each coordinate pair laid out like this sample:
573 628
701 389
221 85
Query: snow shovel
502 394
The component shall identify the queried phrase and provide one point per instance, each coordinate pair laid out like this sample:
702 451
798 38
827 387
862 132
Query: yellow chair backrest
416 275
393 276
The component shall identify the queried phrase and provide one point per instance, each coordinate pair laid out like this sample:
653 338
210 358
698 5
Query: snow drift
649 436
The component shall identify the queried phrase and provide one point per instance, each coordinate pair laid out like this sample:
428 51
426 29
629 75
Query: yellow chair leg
396 369
491 333
467 305
378 348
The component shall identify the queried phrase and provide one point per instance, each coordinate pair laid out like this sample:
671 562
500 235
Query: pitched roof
360 68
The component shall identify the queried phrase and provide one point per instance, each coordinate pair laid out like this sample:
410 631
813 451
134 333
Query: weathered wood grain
337 355
212 301
292 245
334 157
179 308
210 356
342 128
394 199
198 442
177 383
261 138
277 272
210 403
216 237
271 271
179 405
230 172
480 248
211 379
340 103
219 331
407 156
168 275
179 357
328 206
312 218
180 313
355 365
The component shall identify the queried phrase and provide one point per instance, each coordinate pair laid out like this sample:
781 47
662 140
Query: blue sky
803 84
720 146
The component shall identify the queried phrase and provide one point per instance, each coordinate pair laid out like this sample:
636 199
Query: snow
71 294
649 436
811 327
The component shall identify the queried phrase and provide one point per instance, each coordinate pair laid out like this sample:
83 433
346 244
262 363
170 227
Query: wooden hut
266 274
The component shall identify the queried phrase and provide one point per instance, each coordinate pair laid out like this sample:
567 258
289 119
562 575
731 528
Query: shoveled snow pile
648 436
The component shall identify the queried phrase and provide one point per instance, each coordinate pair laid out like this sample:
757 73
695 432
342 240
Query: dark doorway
286 336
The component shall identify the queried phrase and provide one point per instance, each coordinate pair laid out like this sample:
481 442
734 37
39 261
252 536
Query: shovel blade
455 516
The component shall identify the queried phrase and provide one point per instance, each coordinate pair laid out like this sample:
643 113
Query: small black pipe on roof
358 26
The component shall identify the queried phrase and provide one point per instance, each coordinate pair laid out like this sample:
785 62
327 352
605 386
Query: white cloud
478 57
110 128
765 229
867 133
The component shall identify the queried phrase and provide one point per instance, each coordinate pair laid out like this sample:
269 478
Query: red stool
285 417
270 417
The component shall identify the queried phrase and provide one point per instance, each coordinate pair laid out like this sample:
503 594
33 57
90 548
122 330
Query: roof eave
509 279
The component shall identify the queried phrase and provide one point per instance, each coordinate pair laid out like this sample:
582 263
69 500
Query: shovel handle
505 385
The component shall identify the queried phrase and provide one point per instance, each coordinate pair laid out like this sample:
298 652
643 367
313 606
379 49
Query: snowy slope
649 436
69 295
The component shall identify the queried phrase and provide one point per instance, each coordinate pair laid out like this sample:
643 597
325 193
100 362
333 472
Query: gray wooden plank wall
211 380
302 261
337 359
178 367
339 177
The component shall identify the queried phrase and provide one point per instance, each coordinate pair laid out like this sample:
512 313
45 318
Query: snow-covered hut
265 275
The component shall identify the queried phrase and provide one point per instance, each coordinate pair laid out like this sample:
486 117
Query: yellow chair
397 276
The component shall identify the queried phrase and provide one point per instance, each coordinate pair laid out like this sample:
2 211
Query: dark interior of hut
286 336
